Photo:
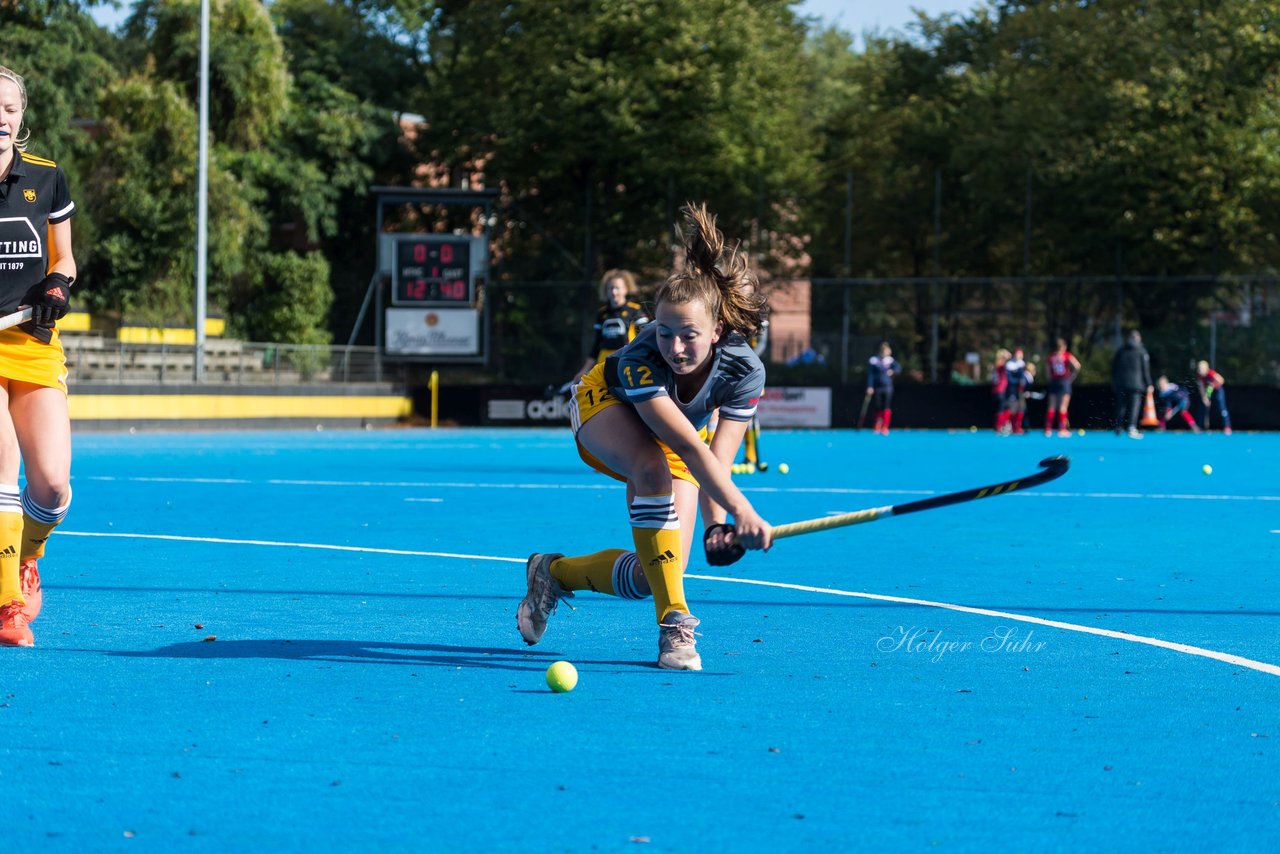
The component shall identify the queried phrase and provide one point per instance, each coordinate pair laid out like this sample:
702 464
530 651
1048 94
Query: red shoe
13 626
30 577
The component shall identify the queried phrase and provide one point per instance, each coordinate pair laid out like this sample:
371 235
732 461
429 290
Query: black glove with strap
49 300
725 553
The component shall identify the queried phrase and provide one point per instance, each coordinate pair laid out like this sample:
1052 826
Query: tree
143 186
600 119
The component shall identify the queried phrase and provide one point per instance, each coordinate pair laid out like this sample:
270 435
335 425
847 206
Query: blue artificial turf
367 688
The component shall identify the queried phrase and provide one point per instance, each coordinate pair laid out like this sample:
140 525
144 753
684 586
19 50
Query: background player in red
642 418
35 428
999 384
1211 386
1063 370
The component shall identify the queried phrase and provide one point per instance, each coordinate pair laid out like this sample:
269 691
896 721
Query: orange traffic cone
1149 418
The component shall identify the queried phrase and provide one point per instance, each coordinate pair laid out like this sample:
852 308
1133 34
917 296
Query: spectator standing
1130 381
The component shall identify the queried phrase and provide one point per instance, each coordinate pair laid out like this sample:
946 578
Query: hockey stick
22 315
866 401
1053 468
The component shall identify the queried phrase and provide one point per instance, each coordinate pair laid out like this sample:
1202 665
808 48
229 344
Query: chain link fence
943 331
946 330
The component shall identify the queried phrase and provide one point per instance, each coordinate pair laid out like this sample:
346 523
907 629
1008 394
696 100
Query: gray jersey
638 373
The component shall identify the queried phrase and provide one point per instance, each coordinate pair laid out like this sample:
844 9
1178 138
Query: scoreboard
432 270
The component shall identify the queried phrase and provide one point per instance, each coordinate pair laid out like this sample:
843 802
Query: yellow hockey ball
1206 468
1080 432
973 428
783 468
561 677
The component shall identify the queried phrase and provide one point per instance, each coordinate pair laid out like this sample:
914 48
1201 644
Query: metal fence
92 358
946 330
942 331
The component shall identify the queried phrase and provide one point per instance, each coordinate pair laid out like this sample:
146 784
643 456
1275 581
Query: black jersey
616 326
638 372
33 196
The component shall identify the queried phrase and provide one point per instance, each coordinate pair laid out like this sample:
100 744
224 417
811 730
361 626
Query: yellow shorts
27 360
591 397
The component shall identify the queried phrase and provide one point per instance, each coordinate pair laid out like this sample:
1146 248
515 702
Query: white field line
1261 666
278 544
1186 649
800 490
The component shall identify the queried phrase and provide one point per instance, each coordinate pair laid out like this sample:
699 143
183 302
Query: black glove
721 555
49 300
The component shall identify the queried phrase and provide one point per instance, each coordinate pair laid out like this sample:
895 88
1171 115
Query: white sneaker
1135 434
677 649
541 600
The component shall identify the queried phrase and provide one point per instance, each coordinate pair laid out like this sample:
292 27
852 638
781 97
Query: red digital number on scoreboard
431 269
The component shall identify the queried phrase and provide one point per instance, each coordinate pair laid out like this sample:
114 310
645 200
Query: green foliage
603 118
248 78
1106 141
294 302
1139 134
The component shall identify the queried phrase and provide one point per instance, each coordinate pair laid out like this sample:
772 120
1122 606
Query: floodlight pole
202 195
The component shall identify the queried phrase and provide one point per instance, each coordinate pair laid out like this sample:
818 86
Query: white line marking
179 479
1261 666
427 500
605 485
322 546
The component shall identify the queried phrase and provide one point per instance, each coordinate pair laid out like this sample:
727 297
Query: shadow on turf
371 652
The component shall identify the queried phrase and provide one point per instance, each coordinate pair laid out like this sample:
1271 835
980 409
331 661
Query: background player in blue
36 269
1014 399
1174 400
881 369
642 418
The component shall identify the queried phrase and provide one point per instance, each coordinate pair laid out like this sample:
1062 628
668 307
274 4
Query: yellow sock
34 535
10 537
659 550
588 572
612 571
38 523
